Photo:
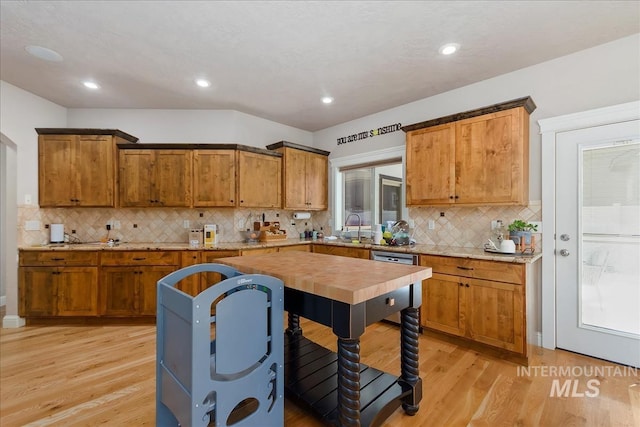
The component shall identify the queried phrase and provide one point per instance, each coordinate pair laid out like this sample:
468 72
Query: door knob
564 252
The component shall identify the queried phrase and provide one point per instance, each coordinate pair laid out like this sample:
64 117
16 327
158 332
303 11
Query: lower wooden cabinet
58 284
197 283
342 251
58 291
130 290
128 280
489 310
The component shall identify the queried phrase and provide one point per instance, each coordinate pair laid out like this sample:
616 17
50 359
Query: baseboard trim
13 321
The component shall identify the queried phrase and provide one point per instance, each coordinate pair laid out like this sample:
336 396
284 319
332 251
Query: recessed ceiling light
449 48
44 53
203 83
327 99
91 85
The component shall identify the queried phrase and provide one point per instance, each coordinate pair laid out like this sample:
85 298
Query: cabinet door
443 304
172 182
147 287
299 248
93 164
56 180
317 179
259 180
209 279
430 166
214 178
295 179
78 291
136 176
38 291
495 314
119 291
491 161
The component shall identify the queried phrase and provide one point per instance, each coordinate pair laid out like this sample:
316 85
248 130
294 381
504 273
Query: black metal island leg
409 367
348 382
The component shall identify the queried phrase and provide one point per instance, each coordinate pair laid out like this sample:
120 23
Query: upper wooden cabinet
77 167
259 183
480 157
155 177
214 178
304 176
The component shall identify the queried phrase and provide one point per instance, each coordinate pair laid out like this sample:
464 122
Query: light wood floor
105 375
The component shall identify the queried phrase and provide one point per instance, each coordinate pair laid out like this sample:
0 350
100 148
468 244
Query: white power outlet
185 223
431 224
116 225
32 226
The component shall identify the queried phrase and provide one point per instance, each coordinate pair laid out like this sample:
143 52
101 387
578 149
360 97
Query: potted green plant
520 231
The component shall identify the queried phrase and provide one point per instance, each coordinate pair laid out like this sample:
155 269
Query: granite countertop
452 251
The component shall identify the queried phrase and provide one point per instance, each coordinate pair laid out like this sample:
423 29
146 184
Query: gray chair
220 354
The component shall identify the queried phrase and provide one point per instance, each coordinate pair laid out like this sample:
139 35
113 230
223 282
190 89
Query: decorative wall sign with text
369 133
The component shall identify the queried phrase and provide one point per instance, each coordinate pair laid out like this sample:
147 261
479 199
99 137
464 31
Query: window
370 194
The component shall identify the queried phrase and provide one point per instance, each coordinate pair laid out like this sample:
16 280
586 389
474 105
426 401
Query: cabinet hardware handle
457 197
57 259
465 268
467 285
139 259
231 200
451 197
241 201
461 284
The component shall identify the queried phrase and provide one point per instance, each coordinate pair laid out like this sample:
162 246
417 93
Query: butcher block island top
349 280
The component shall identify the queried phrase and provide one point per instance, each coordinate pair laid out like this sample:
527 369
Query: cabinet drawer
342 251
474 268
140 258
58 258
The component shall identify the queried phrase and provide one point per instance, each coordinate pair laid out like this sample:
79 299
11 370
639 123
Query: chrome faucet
346 221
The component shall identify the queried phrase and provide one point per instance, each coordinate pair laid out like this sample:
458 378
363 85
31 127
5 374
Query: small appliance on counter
57 233
196 237
210 235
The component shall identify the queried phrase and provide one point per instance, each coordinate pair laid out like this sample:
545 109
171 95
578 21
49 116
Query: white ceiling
277 59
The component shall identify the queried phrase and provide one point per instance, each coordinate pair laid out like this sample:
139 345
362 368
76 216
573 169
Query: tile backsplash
468 226
156 225
460 226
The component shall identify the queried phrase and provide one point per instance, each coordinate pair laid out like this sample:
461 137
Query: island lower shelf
311 381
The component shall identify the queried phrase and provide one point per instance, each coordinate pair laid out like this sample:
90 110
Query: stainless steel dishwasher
397 258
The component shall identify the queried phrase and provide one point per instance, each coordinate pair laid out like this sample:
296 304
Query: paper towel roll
302 215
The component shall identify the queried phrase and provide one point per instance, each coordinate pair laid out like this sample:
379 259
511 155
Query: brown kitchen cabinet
352 252
78 167
153 177
305 176
483 301
128 281
481 159
197 283
300 248
259 183
214 178
58 284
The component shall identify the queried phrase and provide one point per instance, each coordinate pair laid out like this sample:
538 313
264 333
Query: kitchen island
346 294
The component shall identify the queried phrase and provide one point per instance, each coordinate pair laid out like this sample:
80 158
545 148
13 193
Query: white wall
20 113
189 126
600 76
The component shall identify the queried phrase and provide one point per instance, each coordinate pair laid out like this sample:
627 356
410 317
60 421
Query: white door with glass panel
598 241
